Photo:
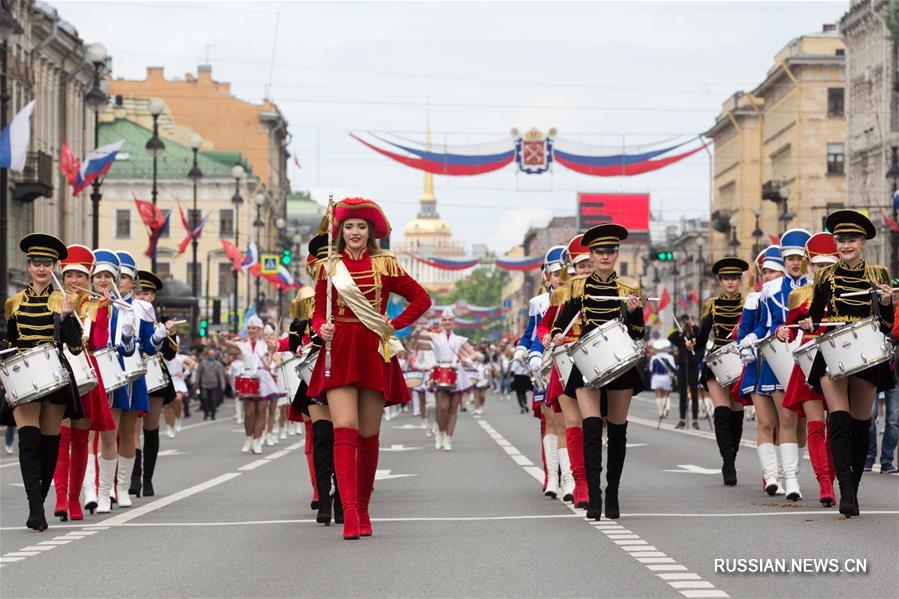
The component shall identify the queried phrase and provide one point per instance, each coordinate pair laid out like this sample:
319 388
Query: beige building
872 127
782 142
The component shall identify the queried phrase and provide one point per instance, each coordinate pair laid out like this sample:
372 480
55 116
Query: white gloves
747 355
127 324
748 341
160 333
521 354
535 363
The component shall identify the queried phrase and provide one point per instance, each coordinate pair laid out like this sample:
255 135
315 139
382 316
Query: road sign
269 264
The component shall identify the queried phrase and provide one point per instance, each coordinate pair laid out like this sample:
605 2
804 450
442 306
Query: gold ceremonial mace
328 295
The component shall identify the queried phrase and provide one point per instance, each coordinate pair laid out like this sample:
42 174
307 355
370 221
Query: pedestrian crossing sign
269 264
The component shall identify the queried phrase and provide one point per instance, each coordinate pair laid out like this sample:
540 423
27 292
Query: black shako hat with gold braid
730 267
149 281
43 245
606 236
849 223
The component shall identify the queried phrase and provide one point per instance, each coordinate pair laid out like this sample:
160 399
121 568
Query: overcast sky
600 72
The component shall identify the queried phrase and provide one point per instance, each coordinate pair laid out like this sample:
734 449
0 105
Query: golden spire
428 194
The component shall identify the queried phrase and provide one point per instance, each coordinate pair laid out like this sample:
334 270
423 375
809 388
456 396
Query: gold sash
367 315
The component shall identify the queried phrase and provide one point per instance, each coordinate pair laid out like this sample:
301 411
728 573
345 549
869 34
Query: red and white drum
247 384
443 377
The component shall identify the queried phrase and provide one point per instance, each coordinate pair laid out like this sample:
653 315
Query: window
190 279
835 102
167 229
164 270
226 223
122 224
834 159
226 279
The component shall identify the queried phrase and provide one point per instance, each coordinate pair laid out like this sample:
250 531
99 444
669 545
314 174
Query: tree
483 287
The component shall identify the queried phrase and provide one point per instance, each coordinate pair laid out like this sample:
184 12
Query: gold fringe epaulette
825 274
559 296
707 306
12 303
386 264
303 304
627 285
877 274
54 302
576 287
800 296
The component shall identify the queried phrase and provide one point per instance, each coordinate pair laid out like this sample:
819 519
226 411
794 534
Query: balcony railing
37 178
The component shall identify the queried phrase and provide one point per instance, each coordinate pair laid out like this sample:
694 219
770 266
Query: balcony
771 191
36 180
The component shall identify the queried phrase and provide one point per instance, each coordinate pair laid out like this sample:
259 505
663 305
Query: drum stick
815 324
866 292
6 351
101 296
622 298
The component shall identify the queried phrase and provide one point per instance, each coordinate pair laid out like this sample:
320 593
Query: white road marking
7 559
167 452
38 548
400 447
385 475
253 465
693 469
645 554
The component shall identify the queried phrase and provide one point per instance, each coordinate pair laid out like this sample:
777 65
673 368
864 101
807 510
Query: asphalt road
466 523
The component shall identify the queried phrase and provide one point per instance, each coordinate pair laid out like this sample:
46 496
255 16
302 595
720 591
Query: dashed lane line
642 552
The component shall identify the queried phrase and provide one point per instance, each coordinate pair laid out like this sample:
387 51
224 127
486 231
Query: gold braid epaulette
303 305
576 287
825 274
564 293
12 303
877 274
386 264
800 296
707 306
54 302
628 286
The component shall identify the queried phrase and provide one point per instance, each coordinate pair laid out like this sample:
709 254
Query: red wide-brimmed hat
79 259
577 251
821 248
361 208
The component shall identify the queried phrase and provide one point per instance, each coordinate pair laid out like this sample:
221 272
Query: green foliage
483 287
892 20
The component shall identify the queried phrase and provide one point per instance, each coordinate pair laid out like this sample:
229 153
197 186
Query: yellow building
782 142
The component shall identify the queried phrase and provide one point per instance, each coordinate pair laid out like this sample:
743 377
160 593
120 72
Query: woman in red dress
363 374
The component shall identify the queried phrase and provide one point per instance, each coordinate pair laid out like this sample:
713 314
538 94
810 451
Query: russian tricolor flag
96 165
15 139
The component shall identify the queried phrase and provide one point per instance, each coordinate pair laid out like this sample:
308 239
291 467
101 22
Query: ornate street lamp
195 174
259 201
237 173
96 100
155 148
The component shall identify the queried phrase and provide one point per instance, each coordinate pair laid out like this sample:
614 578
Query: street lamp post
155 148
700 261
8 28
96 99
259 200
195 174
237 172
297 240
893 174
757 233
281 225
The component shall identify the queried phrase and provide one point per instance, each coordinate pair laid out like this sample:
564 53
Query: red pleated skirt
799 392
294 415
356 361
735 394
555 388
95 403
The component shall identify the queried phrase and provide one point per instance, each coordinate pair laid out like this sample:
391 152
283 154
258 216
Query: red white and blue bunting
504 262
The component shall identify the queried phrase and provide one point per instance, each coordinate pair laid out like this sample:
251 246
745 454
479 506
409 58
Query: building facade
780 149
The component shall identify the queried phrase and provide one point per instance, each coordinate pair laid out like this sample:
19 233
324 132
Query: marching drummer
40 315
849 399
719 318
591 298
455 352
93 311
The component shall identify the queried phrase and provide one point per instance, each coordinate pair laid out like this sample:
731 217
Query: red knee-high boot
819 453
543 451
77 467
346 440
311 463
574 437
365 479
61 475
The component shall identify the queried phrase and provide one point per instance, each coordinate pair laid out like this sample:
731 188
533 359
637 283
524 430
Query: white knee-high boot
551 451
123 479
767 453
89 486
567 476
105 485
789 454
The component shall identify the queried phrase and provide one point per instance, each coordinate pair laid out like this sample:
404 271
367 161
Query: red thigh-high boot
310 461
819 454
346 440
574 437
365 479
77 468
61 475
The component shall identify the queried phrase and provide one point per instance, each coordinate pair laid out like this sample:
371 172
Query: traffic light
286 256
665 256
203 324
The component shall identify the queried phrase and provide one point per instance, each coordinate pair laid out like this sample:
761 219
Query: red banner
630 210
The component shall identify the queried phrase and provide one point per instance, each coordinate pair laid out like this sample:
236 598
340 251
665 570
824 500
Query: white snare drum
725 364
134 366
32 374
546 369
110 370
563 363
854 347
85 377
605 353
290 371
779 357
472 375
805 356
415 378
157 377
307 365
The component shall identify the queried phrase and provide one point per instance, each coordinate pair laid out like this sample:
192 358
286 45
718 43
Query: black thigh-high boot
151 450
592 427
614 466
323 457
841 452
338 504
860 435
30 465
736 430
724 437
135 487
49 455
